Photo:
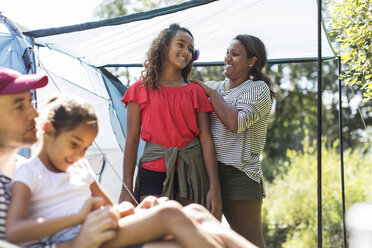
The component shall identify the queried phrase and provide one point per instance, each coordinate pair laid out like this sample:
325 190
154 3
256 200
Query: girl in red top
168 111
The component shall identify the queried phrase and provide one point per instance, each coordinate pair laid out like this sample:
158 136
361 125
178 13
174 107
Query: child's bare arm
131 149
123 209
214 203
20 229
98 191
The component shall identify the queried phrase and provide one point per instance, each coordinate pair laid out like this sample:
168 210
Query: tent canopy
14 50
288 28
100 89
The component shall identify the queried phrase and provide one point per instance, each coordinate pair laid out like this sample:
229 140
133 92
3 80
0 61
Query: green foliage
294 118
352 26
144 5
290 210
114 8
295 115
209 73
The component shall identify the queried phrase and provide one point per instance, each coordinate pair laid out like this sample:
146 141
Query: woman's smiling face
237 63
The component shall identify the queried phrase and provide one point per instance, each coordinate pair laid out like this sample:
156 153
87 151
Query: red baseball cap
13 82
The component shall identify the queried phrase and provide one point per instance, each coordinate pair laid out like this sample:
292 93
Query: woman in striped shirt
242 105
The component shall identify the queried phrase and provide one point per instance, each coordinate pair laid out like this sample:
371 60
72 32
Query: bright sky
36 14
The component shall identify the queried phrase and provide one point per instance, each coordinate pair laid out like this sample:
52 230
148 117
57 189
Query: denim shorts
236 185
151 182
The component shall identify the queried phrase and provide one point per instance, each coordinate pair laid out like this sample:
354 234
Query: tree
289 212
208 73
114 8
352 26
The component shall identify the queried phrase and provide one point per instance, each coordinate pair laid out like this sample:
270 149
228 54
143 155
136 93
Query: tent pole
319 144
341 149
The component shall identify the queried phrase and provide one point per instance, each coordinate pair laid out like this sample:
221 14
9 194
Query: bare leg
244 217
159 221
183 201
226 237
144 196
162 244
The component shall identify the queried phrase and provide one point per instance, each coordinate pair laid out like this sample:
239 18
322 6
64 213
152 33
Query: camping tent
14 50
288 28
99 87
291 30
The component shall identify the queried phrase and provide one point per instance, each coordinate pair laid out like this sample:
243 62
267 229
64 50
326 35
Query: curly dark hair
158 54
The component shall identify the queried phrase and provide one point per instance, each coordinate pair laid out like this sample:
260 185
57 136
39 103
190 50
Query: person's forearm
29 230
208 150
98 191
210 161
131 147
130 160
227 113
213 199
129 163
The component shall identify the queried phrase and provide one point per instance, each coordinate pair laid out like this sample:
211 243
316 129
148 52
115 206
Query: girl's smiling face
181 50
61 151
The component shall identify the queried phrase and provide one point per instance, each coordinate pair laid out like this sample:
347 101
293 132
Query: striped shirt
4 203
243 149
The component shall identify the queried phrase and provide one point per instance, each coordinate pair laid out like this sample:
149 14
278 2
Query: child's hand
125 208
149 202
99 226
89 205
214 203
